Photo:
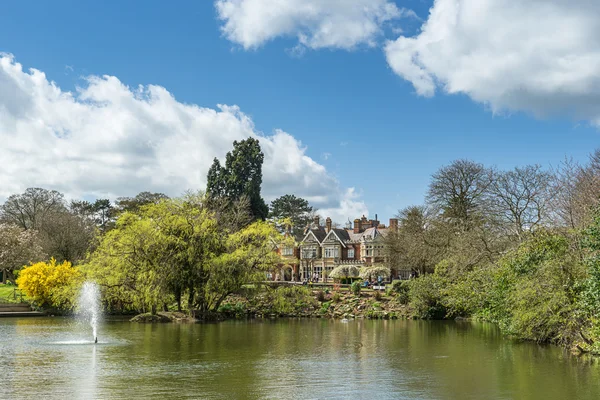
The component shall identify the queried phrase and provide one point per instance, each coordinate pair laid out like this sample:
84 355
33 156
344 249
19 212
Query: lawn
7 294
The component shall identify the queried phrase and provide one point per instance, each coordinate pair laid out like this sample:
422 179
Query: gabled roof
340 234
318 233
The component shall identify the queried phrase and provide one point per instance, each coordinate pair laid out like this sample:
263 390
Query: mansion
322 248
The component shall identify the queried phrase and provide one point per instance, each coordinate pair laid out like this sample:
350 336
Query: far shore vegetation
518 248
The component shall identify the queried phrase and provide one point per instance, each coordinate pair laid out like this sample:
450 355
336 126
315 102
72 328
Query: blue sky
352 110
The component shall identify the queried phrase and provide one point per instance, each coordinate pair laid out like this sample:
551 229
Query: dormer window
350 253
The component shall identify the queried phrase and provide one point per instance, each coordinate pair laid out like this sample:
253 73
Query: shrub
355 287
325 307
426 296
321 296
337 297
377 295
287 300
401 288
51 284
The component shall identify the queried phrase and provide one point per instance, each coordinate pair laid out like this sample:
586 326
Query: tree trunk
191 301
153 309
165 307
178 299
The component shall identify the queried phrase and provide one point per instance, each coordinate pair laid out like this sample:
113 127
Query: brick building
322 248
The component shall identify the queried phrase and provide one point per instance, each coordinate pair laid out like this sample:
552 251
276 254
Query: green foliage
401 288
294 209
536 291
356 287
175 248
377 296
337 297
237 310
325 307
241 176
426 296
291 299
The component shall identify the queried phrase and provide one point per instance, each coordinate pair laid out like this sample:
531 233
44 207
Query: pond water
52 358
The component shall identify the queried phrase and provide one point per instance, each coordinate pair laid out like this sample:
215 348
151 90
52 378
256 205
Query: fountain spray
89 306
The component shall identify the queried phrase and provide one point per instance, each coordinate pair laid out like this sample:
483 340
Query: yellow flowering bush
51 283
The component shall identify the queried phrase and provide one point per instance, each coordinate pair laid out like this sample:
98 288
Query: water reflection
286 360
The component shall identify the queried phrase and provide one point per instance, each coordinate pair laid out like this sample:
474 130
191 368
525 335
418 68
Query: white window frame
351 253
332 252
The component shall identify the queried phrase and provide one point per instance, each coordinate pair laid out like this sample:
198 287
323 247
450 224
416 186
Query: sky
356 103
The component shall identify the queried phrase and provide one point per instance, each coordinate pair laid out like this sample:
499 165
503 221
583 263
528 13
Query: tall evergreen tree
241 176
297 209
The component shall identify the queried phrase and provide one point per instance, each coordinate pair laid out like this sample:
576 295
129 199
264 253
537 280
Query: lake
51 358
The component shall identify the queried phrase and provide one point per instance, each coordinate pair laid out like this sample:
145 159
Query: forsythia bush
51 284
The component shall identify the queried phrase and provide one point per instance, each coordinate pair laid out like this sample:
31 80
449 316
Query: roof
368 234
319 233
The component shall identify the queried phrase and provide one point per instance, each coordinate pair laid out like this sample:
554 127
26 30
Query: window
350 253
309 253
331 252
288 251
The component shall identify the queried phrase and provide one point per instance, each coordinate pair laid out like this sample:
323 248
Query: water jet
89 307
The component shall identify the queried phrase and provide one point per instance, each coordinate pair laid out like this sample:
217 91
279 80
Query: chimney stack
356 225
328 224
394 224
316 221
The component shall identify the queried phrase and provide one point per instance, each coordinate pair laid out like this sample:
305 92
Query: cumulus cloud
316 24
106 139
537 56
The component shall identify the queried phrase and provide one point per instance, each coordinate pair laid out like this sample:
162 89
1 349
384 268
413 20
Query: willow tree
177 248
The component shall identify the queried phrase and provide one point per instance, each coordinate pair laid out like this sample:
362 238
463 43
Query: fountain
89 306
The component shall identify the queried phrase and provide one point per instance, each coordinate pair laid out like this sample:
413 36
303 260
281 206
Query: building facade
322 248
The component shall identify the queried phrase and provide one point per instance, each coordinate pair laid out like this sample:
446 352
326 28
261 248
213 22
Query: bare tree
67 236
458 191
29 209
521 198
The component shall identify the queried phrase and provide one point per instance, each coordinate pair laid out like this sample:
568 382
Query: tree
231 215
295 209
176 248
248 254
67 236
29 209
242 175
133 204
18 247
101 212
412 246
521 199
458 191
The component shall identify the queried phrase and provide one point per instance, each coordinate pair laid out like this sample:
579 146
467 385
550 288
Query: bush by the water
355 287
51 284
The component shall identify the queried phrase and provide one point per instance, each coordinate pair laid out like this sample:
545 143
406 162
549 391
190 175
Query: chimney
328 224
316 220
357 226
376 222
394 224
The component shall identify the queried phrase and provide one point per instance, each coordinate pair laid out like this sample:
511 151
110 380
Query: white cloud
109 140
537 56
316 24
